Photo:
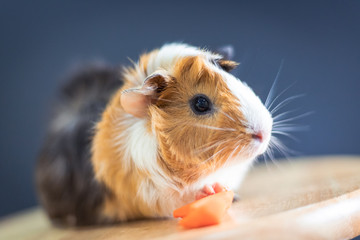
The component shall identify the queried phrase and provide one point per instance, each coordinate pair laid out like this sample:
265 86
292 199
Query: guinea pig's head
203 117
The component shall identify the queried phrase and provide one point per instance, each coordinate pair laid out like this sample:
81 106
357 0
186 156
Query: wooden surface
309 198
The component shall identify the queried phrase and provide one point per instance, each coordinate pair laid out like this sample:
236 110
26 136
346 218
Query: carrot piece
206 211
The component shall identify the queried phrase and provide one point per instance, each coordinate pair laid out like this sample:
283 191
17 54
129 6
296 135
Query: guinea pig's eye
200 104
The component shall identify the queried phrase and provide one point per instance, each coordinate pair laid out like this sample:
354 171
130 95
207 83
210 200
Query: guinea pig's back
64 174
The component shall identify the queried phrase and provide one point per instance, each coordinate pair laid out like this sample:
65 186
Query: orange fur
179 138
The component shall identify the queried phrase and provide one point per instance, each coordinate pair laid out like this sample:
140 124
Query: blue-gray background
40 41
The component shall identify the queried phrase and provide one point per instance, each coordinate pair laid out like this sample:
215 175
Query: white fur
229 176
170 53
142 145
257 117
141 150
165 59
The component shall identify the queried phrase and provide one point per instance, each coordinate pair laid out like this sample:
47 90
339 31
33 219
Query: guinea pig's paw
208 190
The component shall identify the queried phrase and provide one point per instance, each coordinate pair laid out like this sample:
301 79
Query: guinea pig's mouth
260 142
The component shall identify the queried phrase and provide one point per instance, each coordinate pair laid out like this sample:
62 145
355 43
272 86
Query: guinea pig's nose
258 136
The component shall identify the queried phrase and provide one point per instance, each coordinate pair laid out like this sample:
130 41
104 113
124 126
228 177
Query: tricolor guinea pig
139 143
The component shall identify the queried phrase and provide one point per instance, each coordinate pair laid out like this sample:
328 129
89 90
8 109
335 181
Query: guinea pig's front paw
210 190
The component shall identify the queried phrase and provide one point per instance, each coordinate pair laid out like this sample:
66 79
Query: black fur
64 174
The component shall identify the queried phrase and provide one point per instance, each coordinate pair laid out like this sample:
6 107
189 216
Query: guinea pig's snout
257 136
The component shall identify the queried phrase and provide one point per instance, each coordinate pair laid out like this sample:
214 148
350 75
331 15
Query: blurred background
42 41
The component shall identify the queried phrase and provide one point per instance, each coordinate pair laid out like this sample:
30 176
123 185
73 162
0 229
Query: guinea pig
175 127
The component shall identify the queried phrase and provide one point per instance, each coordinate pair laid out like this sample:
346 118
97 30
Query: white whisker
285 134
266 157
214 128
276 126
291 129
235 149
281 147
280 94
285 102
294 118
213 156
227 115
206 148
272 89
279 116
271 155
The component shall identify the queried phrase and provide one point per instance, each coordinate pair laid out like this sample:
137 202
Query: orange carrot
207 211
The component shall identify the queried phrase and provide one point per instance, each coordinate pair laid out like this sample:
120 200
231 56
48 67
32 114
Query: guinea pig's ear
226 63
135 101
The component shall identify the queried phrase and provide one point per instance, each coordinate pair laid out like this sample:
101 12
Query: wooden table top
305 198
